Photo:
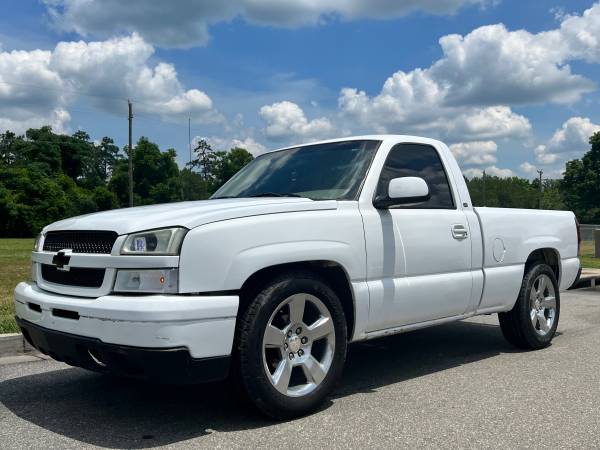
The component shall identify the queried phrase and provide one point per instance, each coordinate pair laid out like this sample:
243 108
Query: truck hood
187 214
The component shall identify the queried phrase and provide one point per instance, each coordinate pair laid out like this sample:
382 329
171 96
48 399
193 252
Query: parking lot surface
457 385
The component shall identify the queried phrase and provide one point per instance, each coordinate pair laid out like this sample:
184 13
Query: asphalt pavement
458 385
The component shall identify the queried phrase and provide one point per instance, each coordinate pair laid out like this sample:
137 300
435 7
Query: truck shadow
117 413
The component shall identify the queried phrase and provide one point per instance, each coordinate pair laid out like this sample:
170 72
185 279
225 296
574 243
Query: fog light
164 281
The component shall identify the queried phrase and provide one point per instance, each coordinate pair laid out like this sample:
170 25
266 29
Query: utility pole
190 137
483 187
541 172
130 117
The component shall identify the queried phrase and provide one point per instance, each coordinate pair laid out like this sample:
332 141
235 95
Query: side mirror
402 191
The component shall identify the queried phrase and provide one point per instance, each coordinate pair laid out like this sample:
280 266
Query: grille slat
76 276
80 241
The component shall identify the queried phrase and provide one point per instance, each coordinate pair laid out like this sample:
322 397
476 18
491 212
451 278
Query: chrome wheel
298 345
542 304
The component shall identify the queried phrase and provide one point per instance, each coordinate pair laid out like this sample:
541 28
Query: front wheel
291 345
532 322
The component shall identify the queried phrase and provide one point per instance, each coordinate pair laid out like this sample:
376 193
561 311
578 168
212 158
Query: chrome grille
80 241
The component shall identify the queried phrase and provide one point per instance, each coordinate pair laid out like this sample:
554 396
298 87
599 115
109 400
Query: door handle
459 231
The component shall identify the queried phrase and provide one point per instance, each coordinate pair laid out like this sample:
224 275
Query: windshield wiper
275 194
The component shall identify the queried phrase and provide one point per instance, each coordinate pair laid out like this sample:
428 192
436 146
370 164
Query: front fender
220 256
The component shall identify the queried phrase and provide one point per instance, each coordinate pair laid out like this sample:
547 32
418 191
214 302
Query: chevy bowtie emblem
61 259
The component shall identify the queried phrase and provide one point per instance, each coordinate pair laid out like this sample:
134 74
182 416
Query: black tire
248 352
516 324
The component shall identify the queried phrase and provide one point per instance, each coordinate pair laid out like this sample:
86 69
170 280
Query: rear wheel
532 322
291 345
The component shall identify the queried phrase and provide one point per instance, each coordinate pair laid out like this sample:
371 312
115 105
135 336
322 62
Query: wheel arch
546 255
332 272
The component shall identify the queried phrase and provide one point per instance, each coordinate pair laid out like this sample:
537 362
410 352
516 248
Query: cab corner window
417 160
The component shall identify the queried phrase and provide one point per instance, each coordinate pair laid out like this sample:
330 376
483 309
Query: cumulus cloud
528 168
464 95
31 94
36 87
185 23
489 171
120 68
224 144
475 153
286 120
492 65
571 140
405 108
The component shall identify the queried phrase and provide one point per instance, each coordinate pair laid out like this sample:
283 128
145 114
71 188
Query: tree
193 185
552 197
29 199
204 158
581 183
155 176
7 144
217 167
99 163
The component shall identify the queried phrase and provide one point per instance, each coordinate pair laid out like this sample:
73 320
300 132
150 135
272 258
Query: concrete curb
14 344
589 278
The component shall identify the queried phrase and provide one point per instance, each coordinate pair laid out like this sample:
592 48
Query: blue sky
512 86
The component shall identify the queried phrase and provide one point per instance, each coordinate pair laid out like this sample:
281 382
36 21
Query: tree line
46 176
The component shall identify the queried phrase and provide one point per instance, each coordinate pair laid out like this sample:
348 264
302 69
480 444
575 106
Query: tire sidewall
252 371
527 327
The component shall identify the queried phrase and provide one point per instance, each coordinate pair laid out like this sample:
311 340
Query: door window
417 160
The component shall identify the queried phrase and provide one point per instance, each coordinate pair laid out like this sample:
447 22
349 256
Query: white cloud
224 144
571 140
408 106
185 23
490 171
528 168
37 87
286 120
464 95
580 35
475 153
120 68
57 118
31 94
492 65
488 123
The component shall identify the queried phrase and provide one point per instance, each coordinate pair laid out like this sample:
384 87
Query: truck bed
510 235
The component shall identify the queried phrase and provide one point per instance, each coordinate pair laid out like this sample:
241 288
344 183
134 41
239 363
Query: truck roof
378 137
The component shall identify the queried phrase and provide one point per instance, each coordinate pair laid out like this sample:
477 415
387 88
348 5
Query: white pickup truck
304 250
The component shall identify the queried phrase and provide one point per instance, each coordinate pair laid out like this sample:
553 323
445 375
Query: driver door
419 254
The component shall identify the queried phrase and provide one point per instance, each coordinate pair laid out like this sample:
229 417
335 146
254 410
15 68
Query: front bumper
164 365
202 326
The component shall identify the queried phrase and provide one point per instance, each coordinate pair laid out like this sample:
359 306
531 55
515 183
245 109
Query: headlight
37 245
165 241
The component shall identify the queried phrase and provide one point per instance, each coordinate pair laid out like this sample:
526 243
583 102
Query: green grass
15 266
587 256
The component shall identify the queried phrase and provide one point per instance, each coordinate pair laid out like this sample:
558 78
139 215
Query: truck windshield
332 171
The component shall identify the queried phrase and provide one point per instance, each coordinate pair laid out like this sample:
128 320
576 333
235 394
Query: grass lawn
15 265
587 256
